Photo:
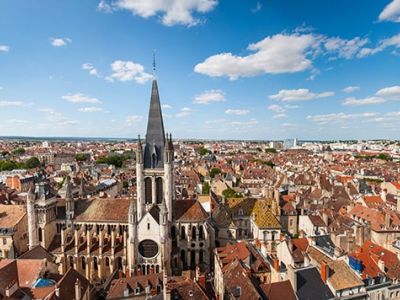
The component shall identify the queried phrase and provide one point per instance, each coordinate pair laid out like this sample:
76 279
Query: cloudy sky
242 69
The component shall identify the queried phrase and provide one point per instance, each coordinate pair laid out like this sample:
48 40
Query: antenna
154 63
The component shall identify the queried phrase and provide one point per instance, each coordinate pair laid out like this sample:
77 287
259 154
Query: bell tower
154 180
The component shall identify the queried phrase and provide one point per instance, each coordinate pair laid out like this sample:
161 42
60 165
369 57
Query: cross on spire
154 63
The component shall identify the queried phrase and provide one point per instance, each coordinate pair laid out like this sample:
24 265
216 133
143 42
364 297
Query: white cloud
281 53
68 122
279 116
60 42
172 11
391 12
249 123
4 48
299 95
351 89
90 68
210 96
166 106
237 112
257 8
276 108
5 103
80 98
103 6
361 102
184 112
345 48
392 92
339 117
133 119
91 109
127 71
289 125
393 41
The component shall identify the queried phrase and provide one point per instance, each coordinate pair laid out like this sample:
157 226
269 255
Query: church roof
155 136
102 209
189 210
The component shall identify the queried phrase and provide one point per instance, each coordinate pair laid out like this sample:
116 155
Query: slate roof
155 136
310 285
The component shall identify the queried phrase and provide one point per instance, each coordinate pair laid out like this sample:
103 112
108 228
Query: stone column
88 265
112 241
76 238
153 190
189 262
88 241
100 267
125 241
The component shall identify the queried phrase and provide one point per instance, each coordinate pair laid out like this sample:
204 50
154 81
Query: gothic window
265 237
183 257
71 261
183 234
201 233
193 232
95 265
173 232
192 259
83 263
201 256
148 190
40 234
159 189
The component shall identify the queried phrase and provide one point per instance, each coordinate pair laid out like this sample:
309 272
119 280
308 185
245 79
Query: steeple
155 136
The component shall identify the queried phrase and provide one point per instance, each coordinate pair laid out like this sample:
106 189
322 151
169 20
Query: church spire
155 136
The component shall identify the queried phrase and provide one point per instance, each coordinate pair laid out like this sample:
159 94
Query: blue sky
238 69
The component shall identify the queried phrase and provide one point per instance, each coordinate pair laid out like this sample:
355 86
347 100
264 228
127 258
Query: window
148 226
148 190
4 241
159 190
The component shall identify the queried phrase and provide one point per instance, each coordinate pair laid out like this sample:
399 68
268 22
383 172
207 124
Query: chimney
381 265
324 272
78 295
387 220
292 276
276 264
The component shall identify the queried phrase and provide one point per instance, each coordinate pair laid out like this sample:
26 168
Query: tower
132 231
69 202
30 206
154 162
154 194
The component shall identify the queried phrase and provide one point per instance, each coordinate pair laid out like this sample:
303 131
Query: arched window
40 234
148 190
71 261
83 263
95 265
193 232
201 232
192 259
183 234
159 189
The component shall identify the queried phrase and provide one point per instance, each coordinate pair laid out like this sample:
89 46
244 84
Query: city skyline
262 70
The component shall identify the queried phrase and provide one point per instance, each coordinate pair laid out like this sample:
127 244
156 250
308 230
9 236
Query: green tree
9 165
32 162
230 193
214 171
19 151
113 159
82 157
270 150
206 188
203 151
